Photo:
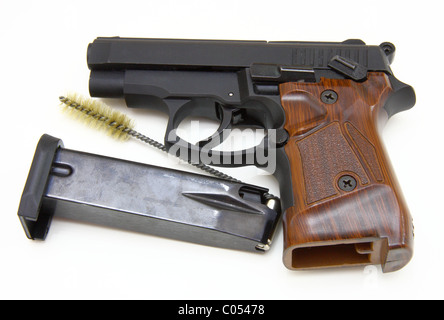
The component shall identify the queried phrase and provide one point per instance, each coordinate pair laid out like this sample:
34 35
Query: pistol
322 106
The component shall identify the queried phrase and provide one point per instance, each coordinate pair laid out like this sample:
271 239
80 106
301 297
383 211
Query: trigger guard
253 156
179 109
202 152
230 159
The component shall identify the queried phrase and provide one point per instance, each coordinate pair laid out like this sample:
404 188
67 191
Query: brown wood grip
348 208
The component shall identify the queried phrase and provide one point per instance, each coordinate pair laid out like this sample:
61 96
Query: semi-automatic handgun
322 105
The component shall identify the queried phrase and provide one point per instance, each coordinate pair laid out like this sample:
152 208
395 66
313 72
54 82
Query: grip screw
347 183
329 96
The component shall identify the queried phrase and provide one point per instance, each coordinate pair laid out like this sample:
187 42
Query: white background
43 55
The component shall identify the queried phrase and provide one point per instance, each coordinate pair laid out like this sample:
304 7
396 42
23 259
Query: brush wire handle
348 208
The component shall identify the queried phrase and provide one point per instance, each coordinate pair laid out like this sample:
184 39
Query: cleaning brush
119 125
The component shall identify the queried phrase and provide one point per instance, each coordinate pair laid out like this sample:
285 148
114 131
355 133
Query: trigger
227 117
237 116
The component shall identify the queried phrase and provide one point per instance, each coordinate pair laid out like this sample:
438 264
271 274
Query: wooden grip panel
348 208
